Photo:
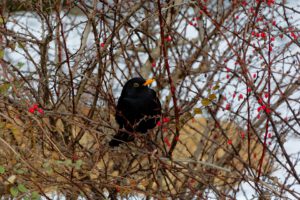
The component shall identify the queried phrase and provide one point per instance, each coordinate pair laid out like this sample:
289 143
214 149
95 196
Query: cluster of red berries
268 2
34 108
164 120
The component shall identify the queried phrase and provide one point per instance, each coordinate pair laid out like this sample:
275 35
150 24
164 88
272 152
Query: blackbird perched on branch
138 110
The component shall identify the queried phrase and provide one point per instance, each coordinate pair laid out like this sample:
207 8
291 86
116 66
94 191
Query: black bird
138 110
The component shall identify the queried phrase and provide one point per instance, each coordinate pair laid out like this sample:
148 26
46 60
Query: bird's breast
138 106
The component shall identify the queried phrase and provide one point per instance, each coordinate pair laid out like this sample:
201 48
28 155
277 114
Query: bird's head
135 86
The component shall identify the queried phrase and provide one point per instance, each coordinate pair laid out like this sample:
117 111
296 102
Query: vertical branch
267 106
58 56
68 64
165 54
45 92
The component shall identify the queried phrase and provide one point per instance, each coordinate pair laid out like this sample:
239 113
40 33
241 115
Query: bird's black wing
123 118
151 112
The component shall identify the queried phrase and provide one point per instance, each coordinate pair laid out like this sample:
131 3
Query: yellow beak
149 81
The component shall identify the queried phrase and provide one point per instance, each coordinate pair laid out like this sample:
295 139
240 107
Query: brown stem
165 54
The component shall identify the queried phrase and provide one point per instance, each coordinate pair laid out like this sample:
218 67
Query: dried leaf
1 53
2 20
4 88
212 97
197 111
11 179
132 182
216 87
145 182
205 102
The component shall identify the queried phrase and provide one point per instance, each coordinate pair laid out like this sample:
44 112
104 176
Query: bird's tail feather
121 137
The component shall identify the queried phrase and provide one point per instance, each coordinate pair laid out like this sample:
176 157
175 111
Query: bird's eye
136 85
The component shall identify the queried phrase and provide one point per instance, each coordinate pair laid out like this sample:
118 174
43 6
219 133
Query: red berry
75 157
241 96
41 111
167 141
294 35
228 106
263 35
266 95
242 135
258 116
166 120
168 39
35 106
244 3
259 108
31 110
153 64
